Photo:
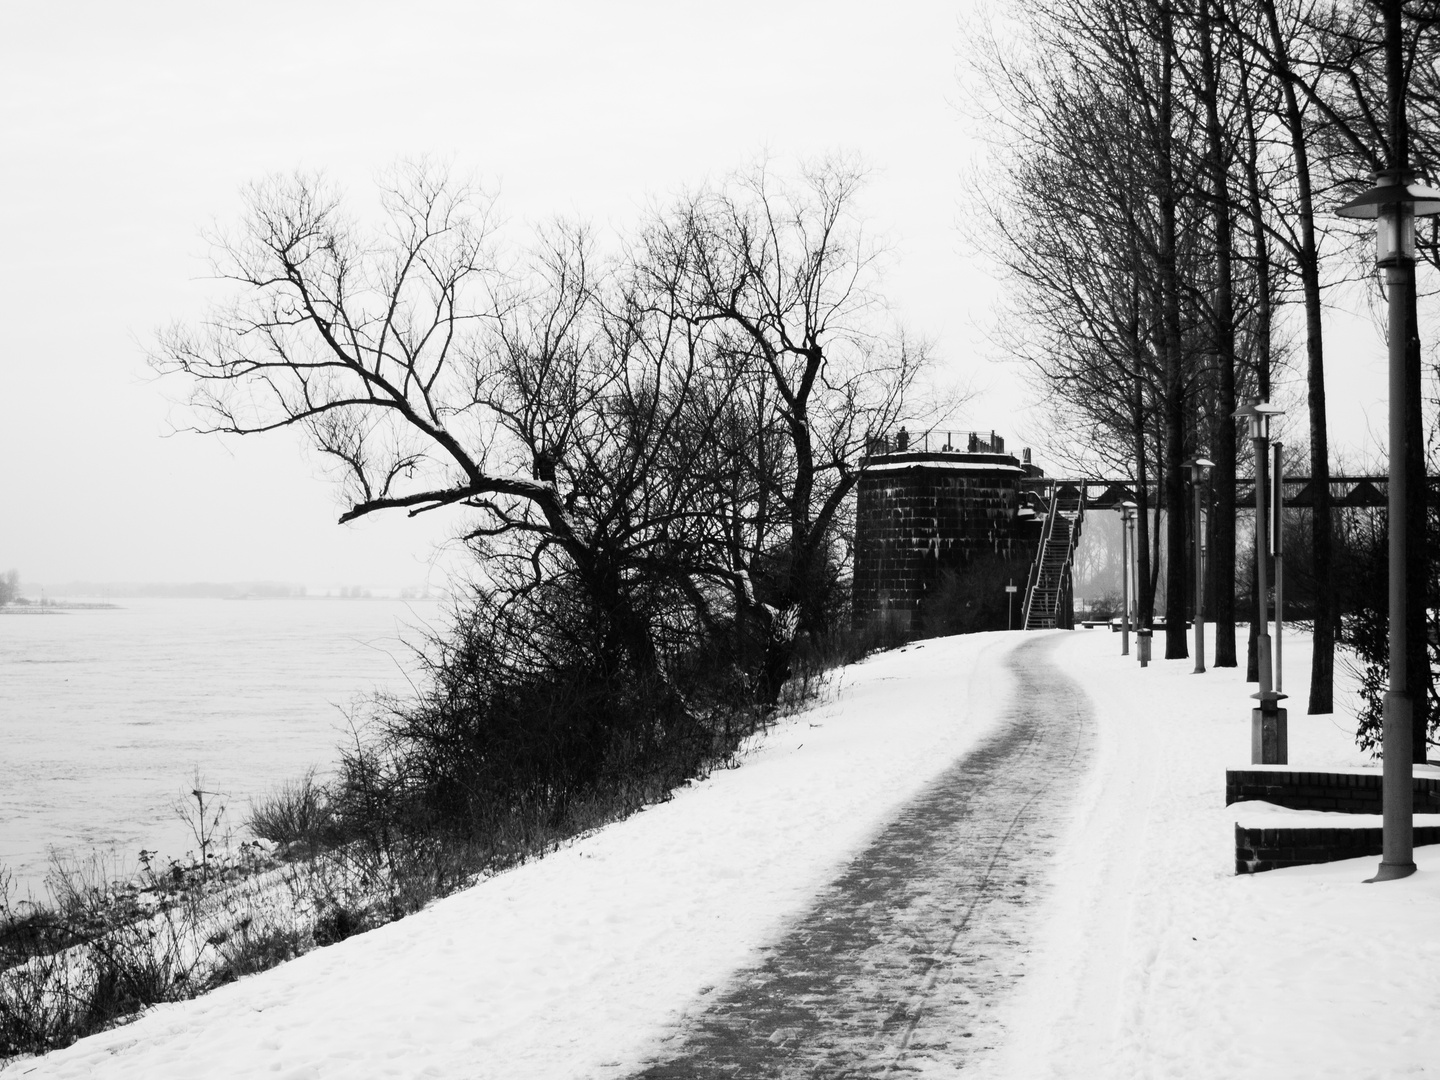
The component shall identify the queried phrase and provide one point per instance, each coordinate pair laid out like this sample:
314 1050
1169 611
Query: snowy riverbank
1154 960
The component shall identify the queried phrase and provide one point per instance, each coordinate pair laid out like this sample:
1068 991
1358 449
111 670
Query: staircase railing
1067 576
1032 580
1046 576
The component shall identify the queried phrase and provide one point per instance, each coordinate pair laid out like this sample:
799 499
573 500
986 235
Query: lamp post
1394 203
1268 742
1199 467
1127 519
1277 478
1135 586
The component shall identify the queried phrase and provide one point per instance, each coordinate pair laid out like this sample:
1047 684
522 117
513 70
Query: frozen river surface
107 715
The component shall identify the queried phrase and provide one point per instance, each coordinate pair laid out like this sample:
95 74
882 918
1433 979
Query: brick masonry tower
940 524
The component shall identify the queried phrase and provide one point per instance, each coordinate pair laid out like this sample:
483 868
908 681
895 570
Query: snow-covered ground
1153 961
1159 962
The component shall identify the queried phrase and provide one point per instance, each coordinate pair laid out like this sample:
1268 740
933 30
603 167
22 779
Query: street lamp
1268 741
1199 466
1394 204
1127 521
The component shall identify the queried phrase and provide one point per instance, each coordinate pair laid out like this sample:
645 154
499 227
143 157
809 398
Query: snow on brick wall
1356 793
1257 850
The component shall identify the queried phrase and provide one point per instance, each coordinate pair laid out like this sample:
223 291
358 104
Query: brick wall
1350 792
1262 849
1257 850
914 523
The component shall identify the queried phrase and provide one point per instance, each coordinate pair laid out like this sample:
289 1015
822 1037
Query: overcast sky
126 129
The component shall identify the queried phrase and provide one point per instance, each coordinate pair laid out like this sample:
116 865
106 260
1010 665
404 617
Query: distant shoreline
95 595
56 607
81 605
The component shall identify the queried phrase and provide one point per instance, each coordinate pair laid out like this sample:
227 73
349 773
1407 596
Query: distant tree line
9 587
1164 190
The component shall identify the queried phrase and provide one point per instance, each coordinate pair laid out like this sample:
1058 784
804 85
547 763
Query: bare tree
430 379
786 278
1104 228
665 438
371 346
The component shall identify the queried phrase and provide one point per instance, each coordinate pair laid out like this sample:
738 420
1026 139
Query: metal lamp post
1277 533
1135 587
1394 203
1127 520
1199 467
1268 738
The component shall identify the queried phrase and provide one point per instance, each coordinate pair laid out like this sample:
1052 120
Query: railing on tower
936 442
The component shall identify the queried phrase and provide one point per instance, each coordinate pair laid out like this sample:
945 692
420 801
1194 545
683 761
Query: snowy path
582 964
868 890
899 963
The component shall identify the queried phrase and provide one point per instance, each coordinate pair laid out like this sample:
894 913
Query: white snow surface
1153 960
1159 962
572 965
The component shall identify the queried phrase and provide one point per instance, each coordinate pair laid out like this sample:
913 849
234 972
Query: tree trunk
1221 572
1176 643
1419 676
1252 650
1144 587
1322 666
1264 319
1157 553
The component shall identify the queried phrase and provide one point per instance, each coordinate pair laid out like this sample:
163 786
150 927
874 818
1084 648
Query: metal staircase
1049 579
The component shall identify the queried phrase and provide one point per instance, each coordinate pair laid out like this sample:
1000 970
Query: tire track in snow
897 968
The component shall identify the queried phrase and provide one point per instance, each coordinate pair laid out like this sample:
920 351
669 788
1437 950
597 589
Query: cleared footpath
857 899
898 966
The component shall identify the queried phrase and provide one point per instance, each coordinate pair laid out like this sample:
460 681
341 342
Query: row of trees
650 448
1165 194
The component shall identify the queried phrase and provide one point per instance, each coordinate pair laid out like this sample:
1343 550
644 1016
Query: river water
106 716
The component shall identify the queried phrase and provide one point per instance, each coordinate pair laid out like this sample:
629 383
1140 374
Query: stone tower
931 512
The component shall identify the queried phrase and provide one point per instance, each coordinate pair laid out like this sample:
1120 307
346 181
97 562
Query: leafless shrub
296 816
